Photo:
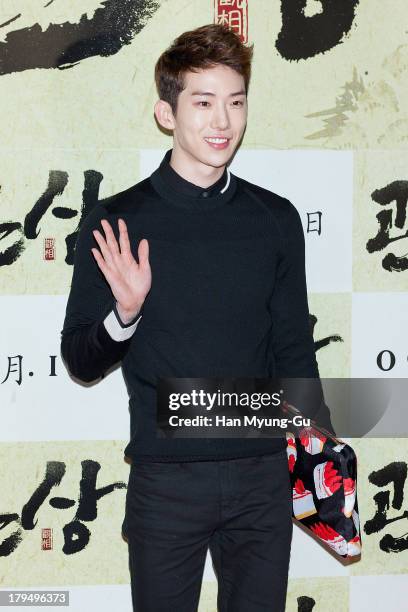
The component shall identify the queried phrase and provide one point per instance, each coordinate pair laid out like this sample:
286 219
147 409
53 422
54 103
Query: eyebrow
210 93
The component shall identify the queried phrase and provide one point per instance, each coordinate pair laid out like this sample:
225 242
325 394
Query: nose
219 117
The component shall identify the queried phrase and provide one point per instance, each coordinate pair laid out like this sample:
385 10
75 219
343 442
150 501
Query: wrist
125 315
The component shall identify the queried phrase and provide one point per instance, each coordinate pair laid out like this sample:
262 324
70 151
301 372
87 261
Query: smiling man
198 273
208 124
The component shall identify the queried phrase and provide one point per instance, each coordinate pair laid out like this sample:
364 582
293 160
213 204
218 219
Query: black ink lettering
396 191
54 473
380 360
314 222
62 45
318 344
305 603
396 473
10 543
90 196
12 366
76 537
57 181
53 359
305 36
13 252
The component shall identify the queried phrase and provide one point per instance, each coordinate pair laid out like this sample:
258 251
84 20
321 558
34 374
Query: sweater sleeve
93 337
292 341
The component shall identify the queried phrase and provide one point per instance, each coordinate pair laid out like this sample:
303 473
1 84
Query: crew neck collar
172 186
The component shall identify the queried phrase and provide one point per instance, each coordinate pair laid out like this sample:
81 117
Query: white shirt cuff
116 330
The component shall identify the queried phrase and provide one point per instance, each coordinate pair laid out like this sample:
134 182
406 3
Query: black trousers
238 508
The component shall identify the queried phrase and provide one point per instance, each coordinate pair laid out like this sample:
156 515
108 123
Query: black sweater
228 299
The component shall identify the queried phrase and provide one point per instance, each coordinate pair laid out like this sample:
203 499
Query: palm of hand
129 280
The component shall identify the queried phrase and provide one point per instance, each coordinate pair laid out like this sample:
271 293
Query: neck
193 170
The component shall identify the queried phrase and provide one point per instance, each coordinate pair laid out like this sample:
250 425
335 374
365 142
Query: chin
217 161
218 158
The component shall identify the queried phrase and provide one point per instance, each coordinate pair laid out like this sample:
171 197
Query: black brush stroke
110 28
302 37
10 20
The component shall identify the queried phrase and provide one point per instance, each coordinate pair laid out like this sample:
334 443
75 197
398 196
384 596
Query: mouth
217 143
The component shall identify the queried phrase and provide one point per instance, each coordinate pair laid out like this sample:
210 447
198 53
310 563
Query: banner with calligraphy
327 128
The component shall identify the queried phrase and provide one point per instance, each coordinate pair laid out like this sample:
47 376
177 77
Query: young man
198 274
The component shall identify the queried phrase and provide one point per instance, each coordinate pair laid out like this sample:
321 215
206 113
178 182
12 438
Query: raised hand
129 281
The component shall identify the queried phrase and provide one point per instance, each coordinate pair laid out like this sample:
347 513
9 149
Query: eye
240 102
203 102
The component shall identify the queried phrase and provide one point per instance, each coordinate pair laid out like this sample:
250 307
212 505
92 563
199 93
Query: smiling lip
222 144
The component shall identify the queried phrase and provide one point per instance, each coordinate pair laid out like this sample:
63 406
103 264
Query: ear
164 114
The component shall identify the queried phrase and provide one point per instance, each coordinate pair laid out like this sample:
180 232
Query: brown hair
203 47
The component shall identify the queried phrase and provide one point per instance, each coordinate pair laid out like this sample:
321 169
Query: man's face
212 104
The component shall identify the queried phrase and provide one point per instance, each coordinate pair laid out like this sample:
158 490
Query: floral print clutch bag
323 474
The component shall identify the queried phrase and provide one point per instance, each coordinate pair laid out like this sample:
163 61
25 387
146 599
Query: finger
143 253
110 237
103 246
102 264
124 238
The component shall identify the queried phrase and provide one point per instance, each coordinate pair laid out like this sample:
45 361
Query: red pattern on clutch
323 474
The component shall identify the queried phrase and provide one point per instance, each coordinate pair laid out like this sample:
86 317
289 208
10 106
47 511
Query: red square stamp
49 249
46 539
234 14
